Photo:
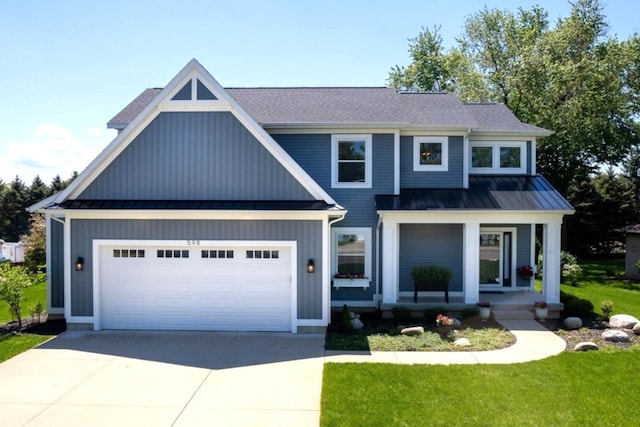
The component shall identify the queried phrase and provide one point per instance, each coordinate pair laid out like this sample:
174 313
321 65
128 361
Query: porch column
471 268
390 254
551 262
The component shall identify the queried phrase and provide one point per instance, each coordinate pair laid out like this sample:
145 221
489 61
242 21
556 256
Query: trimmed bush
578 307
401 314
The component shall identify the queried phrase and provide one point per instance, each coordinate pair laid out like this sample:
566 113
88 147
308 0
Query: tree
35 250
13 281
37 191
14 219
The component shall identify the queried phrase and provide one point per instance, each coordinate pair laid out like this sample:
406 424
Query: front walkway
533 342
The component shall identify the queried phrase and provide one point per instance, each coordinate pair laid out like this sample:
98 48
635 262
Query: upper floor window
430 153
351 161
498 157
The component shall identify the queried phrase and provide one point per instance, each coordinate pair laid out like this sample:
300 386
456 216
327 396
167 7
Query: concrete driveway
141 378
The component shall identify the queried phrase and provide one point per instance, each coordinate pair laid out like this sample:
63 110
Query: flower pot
444 330
485 312
541 313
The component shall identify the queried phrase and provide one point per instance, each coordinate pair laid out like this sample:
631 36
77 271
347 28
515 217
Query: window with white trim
430 154
351 161
497 157
351 252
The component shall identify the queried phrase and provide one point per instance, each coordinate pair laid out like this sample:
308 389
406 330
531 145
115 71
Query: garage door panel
230 293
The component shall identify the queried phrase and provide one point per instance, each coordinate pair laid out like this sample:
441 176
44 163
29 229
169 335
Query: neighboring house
632 251
235 208
13 251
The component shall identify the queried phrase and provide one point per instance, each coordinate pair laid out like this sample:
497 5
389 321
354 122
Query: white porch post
551 262
390 250
471 269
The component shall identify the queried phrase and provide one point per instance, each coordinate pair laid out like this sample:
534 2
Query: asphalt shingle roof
355 106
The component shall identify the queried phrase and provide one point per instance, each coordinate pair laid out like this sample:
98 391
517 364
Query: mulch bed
32 326
592 331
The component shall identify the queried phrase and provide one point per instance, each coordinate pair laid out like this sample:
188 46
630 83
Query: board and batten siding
56 269
431 244
195 156
307 234
313 153
452 178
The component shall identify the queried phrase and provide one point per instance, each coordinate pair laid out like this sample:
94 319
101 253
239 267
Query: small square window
160 253
204 254
229 254
185 254
509 157
168 254
430 154
266 254
258 254
133 253
140 253
275 254
116 253
481 157
222 254
249 254
125 253
213 254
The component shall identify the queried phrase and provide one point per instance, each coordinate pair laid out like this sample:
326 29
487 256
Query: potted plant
444 324
542 310
431 278
525 272
485 309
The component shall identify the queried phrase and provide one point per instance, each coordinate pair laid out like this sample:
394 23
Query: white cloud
52 150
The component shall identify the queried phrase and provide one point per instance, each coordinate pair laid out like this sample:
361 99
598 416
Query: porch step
512 314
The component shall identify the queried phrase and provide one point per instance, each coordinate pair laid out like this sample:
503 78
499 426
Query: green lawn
12 344
34 293
569 389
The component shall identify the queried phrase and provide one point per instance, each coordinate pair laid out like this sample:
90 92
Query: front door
496 258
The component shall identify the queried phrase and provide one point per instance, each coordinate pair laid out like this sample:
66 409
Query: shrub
346 318
574 306
469 312
401 314
569 268
432 273
607 307
431 313
13 281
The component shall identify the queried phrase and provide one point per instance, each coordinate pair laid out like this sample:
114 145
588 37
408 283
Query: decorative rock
357 324
636 329
456 322
586 346
572 323
623 321
354 315
616 336
414 330
462 342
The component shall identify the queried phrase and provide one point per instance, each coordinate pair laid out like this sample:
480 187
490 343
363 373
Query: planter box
351 283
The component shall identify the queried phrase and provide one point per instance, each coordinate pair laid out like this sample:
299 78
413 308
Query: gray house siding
196 156
307 234
529 157
431 244
313 153
453 178
56 269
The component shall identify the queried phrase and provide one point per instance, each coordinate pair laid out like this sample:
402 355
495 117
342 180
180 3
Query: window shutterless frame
351 161
430 154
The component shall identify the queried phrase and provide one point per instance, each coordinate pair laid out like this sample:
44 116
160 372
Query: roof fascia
539 133
163 102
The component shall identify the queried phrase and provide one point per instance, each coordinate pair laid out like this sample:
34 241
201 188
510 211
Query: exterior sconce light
80 264
311 266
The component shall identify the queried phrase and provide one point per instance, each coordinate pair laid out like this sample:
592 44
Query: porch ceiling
526 193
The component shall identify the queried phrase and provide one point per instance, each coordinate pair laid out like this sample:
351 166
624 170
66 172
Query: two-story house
261 208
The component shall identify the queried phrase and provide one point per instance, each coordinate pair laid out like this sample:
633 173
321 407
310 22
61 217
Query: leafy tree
13 281
35 252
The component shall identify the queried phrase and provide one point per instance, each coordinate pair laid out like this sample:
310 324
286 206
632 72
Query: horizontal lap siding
313 153
431 244
452 178
307 234
196 156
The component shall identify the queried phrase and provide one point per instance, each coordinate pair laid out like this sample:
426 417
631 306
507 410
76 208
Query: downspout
378 267
328 261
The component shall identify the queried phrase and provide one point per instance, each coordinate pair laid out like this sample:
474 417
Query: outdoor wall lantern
311 266
80 264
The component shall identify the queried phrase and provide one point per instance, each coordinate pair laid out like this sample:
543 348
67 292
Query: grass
569 389
13 344
34 293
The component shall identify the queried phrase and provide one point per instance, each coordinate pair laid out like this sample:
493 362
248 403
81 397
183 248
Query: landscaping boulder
462 342
456 322
414 330
616 336
636 329
625 321
586 346
572 323
357 323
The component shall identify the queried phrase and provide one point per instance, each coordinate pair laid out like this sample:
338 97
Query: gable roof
358 106
183 94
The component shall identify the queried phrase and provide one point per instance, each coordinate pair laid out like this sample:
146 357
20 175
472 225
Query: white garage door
208 288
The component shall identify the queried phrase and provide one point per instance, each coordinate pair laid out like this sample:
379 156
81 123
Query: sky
68 66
